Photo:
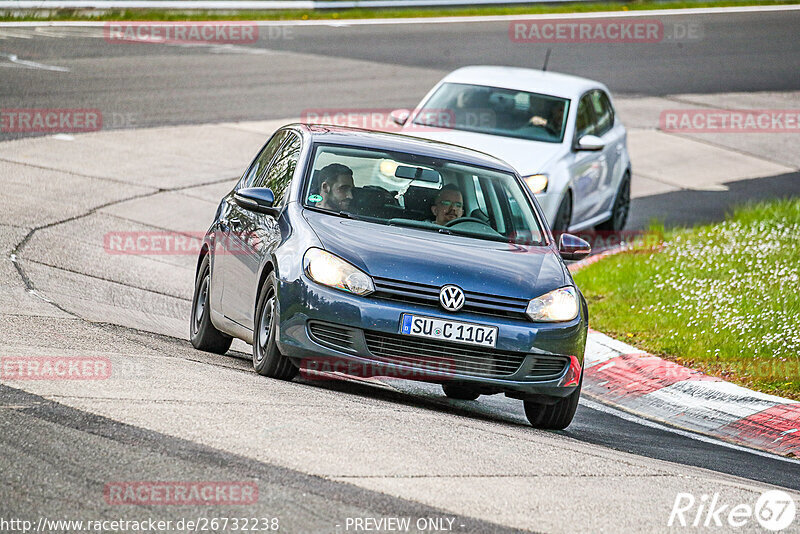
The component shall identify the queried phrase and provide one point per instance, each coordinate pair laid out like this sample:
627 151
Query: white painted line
685 433
32 64
435 20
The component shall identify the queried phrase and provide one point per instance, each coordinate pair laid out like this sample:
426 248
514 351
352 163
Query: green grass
723 299
157 14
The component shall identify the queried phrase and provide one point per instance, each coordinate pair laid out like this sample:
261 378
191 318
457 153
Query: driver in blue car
336 187
448 205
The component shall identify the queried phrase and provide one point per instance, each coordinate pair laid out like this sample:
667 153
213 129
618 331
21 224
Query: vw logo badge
451 298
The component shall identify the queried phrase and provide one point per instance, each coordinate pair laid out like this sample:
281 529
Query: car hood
425 257
527 157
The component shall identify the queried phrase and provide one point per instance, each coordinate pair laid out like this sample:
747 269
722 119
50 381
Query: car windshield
496 111
401 189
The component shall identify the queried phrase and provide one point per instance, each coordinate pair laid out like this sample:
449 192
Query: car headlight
558 305
329 270
536 183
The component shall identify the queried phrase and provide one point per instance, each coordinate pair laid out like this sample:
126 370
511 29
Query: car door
588 168
254 234
612 133
230 213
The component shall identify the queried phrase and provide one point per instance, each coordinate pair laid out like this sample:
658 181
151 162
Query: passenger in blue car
448 205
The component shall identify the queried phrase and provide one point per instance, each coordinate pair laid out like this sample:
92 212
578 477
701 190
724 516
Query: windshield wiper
476 235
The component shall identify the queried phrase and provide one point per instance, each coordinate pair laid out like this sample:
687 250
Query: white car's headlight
329 270
536 183
558 305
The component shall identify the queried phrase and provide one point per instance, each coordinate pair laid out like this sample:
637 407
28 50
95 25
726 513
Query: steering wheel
467 219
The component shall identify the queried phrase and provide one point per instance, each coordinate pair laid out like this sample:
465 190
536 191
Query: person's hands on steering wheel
466 219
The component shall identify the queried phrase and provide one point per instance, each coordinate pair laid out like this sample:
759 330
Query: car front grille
332 336
431 354
428 295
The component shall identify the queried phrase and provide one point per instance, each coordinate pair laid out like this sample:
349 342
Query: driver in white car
448 205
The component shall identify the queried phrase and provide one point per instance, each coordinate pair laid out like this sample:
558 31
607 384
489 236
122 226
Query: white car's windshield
404 189
496 111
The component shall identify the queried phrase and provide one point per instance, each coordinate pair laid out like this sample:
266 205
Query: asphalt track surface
294 68
336 67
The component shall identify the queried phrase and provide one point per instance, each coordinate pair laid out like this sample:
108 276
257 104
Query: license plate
431 327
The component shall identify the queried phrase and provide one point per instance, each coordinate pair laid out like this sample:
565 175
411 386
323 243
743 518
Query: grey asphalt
138 84
57 482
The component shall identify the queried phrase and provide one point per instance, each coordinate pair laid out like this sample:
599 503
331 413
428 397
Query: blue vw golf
406 257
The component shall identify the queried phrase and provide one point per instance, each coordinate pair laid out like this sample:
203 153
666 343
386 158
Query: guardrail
210 5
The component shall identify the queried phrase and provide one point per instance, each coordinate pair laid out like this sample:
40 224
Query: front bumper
303 303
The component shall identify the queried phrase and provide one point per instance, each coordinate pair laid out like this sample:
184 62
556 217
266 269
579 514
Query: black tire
556 416
202 333
267 359
457 391
564 214
622 206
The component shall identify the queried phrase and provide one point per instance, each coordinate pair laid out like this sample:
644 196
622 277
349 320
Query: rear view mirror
260 199
399 116
572 247
417 173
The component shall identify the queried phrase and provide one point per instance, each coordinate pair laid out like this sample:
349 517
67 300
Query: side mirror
573 247
400 116
591 143
260 199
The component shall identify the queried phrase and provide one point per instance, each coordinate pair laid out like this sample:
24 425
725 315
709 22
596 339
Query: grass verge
723 299
330 14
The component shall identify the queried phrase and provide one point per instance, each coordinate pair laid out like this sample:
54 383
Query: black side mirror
573 247
260 199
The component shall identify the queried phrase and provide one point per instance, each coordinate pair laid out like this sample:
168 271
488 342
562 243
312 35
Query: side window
603 111
585 120
259 166
280 172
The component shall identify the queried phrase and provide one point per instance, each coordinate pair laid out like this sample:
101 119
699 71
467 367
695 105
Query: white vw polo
560 132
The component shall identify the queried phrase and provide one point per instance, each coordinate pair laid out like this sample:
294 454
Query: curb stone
623 376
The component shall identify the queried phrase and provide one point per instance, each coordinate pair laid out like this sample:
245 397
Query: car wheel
556 416
456 391
202 333
267 359
622 206
564 214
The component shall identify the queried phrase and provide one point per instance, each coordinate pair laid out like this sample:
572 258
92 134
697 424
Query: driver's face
449 206
338 195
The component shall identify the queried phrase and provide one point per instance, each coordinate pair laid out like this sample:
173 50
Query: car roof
521 79
343 135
